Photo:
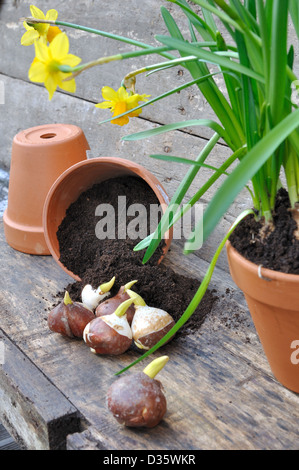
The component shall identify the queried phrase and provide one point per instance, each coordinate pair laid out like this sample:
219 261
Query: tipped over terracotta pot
273 301
82 176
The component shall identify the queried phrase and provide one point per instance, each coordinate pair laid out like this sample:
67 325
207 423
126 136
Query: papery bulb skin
149 325
109 335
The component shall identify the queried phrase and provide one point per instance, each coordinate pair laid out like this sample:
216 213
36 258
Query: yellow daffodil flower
48 59
119 102
39 30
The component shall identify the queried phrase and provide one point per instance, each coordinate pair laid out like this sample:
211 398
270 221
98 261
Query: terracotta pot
77 179
39 155
273 301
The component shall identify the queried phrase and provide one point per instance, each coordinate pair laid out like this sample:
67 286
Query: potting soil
96 260
276 249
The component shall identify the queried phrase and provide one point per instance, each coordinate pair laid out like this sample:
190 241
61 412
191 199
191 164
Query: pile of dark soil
96 261
277 249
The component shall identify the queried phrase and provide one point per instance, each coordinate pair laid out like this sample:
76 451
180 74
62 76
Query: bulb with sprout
92 297
137 400
110 305
110 334
150 324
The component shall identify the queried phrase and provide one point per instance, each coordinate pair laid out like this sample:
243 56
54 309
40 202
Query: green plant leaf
177 198
111 36
245 170
201 26
186 161
197 297
238 155
180 125
209 89
210 57
278 60
294 11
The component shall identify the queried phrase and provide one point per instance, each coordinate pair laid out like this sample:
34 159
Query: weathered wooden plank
107 140
134 24
6 441
90 439
220 391
32 409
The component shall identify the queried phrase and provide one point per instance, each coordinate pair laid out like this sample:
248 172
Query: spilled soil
96 260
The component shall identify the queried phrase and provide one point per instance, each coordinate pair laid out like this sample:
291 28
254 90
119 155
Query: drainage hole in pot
47 136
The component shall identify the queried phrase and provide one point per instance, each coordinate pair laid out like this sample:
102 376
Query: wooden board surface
31 407
220 391
6 441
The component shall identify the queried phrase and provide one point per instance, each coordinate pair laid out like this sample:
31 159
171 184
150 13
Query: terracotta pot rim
133 167
265 272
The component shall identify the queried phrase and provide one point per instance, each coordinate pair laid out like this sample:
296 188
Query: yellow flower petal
37 72
120 108
104 105
109 94
122 94
134 99
26 26
59 47
70 85
29 37
37 13
51 85
52 15
41 51
71 60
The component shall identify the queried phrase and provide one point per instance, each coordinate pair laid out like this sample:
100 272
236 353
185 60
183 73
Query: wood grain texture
31 408
6 441
140 24
106 141
220 391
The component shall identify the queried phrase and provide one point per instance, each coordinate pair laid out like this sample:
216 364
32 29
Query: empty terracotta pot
77 179
39 155
273 301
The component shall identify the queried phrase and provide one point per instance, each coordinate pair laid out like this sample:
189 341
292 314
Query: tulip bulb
150 324
137 400
110 334
92 297
110 305
69 318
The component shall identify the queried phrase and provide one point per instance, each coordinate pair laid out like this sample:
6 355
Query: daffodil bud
92 297
110 334
137 400
150 324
